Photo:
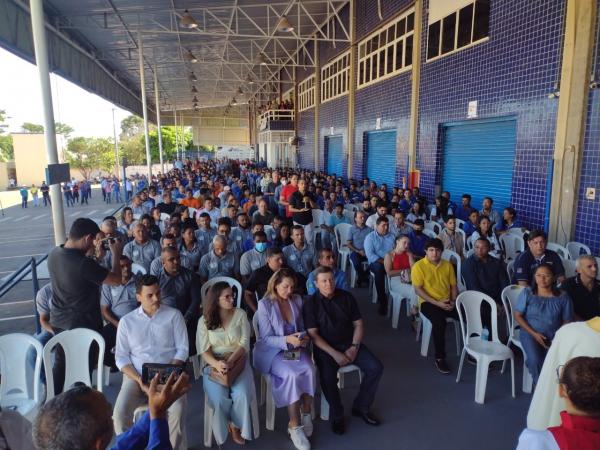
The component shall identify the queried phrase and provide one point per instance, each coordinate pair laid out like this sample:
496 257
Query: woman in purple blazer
281 330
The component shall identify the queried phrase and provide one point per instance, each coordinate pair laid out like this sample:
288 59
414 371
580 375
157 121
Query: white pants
308 232
131 397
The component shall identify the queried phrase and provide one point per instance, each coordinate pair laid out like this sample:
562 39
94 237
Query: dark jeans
47 200
379 271
23 203
437 316
372 370
58 371
109 333
357 261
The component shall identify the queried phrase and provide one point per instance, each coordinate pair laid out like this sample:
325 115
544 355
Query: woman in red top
397 265
579 385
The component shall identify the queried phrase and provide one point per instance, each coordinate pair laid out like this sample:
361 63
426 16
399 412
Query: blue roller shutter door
478 159
335 154
381 157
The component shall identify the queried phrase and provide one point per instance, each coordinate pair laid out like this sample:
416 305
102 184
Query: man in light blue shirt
356 243
326 259
377 244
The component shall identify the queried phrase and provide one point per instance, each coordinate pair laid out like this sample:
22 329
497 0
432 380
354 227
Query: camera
107 241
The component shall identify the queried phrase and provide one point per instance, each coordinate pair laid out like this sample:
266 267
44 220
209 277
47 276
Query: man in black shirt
167 205
257 283
334 323
302 203
76 281
584 288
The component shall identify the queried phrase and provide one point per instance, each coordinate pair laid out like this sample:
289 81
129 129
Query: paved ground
27 233
421 408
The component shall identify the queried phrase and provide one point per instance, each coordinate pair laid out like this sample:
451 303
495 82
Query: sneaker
299 438
442 366
307 424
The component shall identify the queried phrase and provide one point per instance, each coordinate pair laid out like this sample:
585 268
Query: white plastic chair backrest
14 348
138 269
342 233
576 249
255 326
562 251
570 267
137 216
349 215
470 302
463 234
510 269
231 281
192 212
317 215
470 252
433 226
452 257
268 229
515 231
351 207
164 216
510 295
512 244
429 233
460 224
76 344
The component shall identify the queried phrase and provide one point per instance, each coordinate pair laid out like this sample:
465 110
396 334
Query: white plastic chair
373 288
464 237
562 251
342 233
425 328
318 220
192 212
452 257
76 346
266 392
269 231
483 351
398 297
460 224
509 295
137 216
349 215
15 391
516 231
341 372
209 413
429 233
576 249
512 244
231 281
138 269
164 216
433 226
510 269
570 266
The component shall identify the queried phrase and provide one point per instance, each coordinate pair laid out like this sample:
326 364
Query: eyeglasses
558 373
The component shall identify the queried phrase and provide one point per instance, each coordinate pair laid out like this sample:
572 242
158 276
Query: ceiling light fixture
262 59
194 90
189 56
285 25
187 21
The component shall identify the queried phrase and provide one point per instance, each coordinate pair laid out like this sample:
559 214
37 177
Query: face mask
260 246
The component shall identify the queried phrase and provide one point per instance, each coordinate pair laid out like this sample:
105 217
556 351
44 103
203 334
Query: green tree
6 145
134 150
89 154
131 126
64 129
29 127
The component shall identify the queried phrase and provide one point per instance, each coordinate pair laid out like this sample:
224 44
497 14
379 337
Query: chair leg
426 328
527 380
396 307
208 415
460 364
457 336
419 328
352 276
106 376
270 409
481 380
263 391
512 376
340 380
255 419
324 408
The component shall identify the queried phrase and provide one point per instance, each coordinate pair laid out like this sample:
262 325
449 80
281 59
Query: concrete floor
420 408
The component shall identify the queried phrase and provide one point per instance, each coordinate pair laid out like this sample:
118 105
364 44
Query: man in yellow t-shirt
34 194
435 283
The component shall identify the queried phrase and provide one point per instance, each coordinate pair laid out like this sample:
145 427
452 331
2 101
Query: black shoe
338 426
368 417
442 366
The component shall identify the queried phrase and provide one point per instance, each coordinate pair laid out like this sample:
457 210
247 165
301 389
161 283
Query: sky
21 98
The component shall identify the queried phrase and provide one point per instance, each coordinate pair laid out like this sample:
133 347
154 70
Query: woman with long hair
416 212
223 340
541 310
509 221
281 353
484 229
398 263
283 236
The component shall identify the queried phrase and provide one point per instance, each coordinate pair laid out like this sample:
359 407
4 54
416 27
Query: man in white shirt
152 333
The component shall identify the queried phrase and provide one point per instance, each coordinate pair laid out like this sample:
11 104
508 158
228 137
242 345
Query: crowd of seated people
140 278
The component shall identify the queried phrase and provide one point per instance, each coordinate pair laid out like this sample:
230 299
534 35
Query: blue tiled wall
512 73
306 133
588 211
333 113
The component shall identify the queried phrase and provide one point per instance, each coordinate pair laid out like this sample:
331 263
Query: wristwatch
357 346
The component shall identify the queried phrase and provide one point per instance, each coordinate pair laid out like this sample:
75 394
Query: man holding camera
151 333
76 281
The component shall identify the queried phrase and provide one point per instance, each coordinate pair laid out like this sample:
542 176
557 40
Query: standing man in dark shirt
76 281
301 205
335 325
45 193
584 288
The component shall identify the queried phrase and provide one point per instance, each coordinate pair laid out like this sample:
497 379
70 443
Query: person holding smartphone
152 333
541 310
281 353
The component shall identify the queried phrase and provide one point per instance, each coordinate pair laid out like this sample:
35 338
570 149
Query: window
466 26
387 51
306 93
334 77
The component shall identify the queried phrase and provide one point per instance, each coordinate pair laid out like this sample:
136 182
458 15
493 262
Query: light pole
116 144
